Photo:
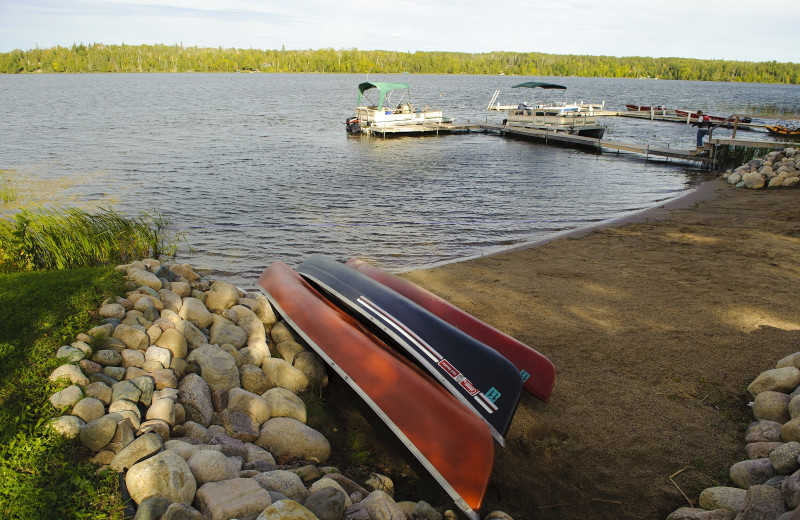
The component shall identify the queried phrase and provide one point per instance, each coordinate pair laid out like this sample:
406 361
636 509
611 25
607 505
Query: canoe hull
451 442
479 377
537 372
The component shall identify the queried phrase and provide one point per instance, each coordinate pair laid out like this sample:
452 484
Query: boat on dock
451 442
644 108
378 112
548 110
692 114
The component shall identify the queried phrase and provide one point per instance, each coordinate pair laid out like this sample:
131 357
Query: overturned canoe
451 442
536 371
486 382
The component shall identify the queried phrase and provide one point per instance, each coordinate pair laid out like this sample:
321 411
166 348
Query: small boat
388 116
483 380
557 115
451 442
536 371
791 132
642 108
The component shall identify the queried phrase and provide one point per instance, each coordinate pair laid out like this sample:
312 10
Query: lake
254 168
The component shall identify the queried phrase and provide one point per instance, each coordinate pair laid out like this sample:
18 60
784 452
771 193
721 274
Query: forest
97 57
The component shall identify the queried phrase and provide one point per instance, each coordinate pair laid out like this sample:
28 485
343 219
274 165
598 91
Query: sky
729 29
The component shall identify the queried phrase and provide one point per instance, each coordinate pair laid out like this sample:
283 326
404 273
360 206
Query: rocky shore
190 390
779 168
767 485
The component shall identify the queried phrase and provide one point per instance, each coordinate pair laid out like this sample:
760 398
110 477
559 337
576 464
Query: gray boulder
67 426
69 373
771 406
289 439
752 472
195 397
67 397
224 331
132 337
89 409
211 466
217 367
284 403
784 458
762 502
163 475
327 503
722 497
139 449
97 434
286 510
235 498
283 481
783 380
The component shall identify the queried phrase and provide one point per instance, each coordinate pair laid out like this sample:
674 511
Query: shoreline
656 323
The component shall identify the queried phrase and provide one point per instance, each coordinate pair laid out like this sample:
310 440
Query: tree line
98 57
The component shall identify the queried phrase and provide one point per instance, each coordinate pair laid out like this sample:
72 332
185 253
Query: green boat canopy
383 88
535 84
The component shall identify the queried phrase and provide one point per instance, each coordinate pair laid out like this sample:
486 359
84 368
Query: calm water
254 168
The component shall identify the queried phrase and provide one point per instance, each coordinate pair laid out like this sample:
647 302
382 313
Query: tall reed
7 193
61 238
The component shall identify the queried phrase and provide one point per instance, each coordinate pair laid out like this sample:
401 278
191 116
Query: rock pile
774 170
179 390
768 482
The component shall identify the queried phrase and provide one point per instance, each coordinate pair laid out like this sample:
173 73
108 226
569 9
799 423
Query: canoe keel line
409 401
483 380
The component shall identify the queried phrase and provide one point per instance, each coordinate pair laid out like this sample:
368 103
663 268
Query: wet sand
656 325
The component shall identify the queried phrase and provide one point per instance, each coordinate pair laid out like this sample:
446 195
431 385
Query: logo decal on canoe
524 375
450 369
466 385
493 394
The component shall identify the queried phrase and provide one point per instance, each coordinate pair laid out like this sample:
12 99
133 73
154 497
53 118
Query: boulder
211 466
378 504
289 439
67 397
139 449
224 331
722 497
762 502
144 278
175 342
132 337
163 475
752 472
195 397
96 434
286 510
217 367
67 426
784 458
327 503
284 403
195 312
89 409
69 373
283 481
771 406
235 498
783 380
281 373
763 431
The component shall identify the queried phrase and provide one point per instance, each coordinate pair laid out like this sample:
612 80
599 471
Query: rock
146 386
281 332
166 475
112 310
348 485
181 512
89 409
116 373
771 406
217 367
753 180
692 513
249 403
790 181
791 430
157 426
762 502
255 453
248 321
96 434
171 300
283 481
144 278
67 426
194 336
175 342
235 498
425 511
223 331
378 504
159 354
289 349
751 472
378 482
69 373
197 431
152 508
133 338
253 379
69 354
211 466
67 397
281 373
100 391
195 396
721 497
218 302
284 403
132 358
162 409
182 289
329 483
310 364
164 378
289 439
139 449
791 490
327 503
784 458
783 380
286 510
763 431
107 358
260 305
239 425
497 515
125 390
195 312
760 450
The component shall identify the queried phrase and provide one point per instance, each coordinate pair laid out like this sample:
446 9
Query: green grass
63 238
43 475
7 193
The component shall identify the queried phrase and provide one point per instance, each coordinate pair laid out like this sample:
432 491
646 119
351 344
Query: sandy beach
656 326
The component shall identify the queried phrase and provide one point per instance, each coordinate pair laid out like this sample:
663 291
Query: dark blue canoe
483 380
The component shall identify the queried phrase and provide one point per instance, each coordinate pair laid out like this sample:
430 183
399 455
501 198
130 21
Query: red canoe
641 108
453 443
693 115
538 373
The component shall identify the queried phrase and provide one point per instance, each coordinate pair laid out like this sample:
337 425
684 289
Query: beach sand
656 326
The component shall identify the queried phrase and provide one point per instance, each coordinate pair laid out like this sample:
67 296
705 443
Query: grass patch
7 192
65 238
43 475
